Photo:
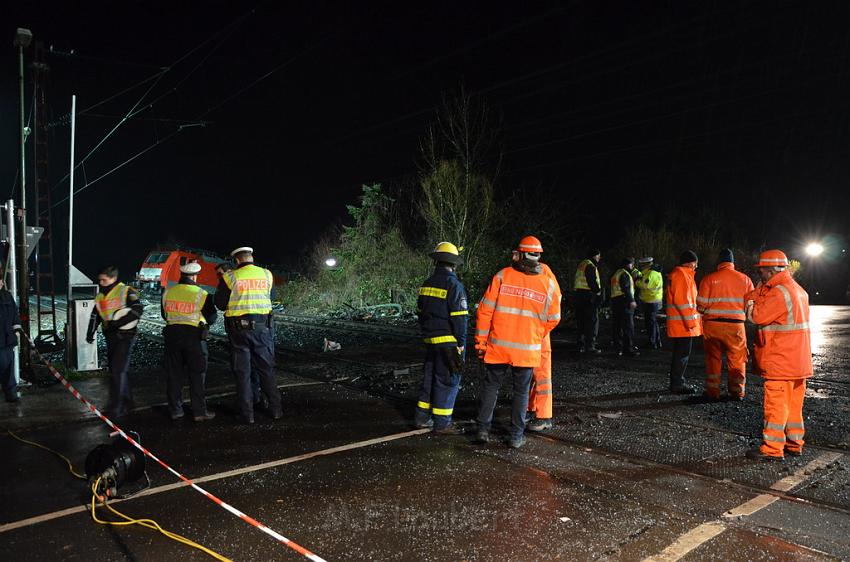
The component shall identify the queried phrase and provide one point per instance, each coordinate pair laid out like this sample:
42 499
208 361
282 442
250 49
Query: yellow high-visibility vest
651 286
580 283
250 291
616 291
113 301
182 304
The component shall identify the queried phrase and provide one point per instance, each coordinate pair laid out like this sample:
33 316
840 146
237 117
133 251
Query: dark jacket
443 309
9 320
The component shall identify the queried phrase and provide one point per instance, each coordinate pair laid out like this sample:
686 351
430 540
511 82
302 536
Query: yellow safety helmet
447 252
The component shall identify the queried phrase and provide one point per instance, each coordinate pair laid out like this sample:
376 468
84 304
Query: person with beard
518 310
118 309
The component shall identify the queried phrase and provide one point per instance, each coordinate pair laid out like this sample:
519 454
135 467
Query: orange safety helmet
530 244
772 258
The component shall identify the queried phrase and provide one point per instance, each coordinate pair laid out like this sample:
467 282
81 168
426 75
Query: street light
330 262
814 249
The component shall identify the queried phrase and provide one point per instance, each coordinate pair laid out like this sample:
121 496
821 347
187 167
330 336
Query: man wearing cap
779 308
443 313
188 312
518 310
259 399
588 297
622 308
244 294
721 302
683 320
118 308
650 286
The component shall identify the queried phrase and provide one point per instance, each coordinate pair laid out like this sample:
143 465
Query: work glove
480 352
89 339
633 305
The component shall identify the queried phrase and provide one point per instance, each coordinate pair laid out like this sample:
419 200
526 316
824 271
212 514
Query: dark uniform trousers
439 388
679 360
254 349
119 345
185 355
650 319
7 373
623 324
587 317
521 377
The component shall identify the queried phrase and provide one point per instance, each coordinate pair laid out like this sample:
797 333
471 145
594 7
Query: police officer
10 324
244 294
188 312
118 308
588 297
623 305
259 399
650 288
443 313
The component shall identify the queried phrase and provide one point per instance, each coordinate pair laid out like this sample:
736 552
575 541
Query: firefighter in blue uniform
188 311
443 313
244 294
118 308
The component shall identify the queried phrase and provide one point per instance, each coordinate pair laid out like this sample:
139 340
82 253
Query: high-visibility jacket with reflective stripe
110 303
617 288
442 309
721 293
250 290
517 311
783 349
182 304
683 320
580 283
650 286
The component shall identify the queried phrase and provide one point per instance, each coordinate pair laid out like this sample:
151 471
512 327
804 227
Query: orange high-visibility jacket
780 312
683 320
721 293
515 314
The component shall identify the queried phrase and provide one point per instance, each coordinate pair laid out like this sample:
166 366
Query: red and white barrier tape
250 520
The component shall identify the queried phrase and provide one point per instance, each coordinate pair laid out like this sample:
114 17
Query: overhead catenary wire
229 28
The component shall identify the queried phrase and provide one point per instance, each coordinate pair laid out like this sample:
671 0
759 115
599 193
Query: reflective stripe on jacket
442 309
182 304
515 314
721 293
580 283
683 320
650 286
616 287
783 346
112 302
250 290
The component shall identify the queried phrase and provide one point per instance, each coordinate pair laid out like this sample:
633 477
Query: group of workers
243 293
522 305
514 319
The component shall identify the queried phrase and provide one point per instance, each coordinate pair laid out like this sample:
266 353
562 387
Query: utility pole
23 38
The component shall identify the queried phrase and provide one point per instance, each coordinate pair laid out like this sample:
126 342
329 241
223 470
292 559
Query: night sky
614 110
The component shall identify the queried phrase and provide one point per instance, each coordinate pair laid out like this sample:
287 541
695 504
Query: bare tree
460 163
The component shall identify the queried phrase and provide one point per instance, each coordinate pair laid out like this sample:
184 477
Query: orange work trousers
783 417
731 339
540 395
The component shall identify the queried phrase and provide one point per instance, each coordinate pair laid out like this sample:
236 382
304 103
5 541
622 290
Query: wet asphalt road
628 471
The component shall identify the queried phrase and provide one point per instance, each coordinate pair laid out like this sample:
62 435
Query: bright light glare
330 262
814 249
